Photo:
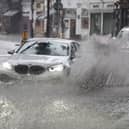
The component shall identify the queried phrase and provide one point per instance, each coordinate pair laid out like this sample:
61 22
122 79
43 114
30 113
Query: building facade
26 17
10 15
33 17
76 19
101 16
71 21
38 23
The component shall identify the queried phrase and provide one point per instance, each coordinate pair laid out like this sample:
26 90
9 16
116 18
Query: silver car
123 38
124 33
42 58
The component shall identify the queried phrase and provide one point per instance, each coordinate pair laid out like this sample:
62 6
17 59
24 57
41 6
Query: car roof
67 41
125 28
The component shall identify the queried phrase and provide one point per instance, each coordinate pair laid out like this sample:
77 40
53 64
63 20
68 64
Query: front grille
21 69
25 69
35 69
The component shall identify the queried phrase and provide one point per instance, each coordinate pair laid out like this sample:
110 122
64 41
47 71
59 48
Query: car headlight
57 68
7 65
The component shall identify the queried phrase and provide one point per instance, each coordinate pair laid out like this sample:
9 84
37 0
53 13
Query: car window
76 46
25 46
46 48
73 50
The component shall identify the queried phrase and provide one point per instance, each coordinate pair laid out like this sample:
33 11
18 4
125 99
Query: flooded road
86 100
50 106
38 105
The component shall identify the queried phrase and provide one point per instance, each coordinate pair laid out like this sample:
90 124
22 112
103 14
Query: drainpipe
102 17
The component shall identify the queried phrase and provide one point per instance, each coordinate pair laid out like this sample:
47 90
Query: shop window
95 23
38 5
37 23
66 22
85 22
84 13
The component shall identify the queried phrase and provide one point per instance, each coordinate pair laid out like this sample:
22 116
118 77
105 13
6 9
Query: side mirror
72 57
11 52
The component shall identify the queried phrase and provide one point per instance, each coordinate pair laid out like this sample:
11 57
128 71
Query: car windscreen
45 48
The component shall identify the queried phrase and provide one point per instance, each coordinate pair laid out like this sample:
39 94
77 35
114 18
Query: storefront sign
100 5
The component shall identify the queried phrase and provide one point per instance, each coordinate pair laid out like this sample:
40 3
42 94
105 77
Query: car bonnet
40 59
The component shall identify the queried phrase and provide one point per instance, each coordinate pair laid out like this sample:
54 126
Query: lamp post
32 19
102 17
48 19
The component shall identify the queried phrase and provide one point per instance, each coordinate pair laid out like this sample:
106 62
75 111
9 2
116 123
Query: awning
11 13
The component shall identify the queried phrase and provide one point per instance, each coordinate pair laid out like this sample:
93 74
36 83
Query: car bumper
44 76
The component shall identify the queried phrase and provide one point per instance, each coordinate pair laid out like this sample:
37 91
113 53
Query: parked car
124 33
123 39
41 58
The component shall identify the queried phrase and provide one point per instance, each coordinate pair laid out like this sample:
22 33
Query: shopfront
11 21
101 17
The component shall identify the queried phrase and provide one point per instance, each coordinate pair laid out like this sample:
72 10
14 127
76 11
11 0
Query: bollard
24 37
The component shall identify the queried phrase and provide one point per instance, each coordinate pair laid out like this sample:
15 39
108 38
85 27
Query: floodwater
95 96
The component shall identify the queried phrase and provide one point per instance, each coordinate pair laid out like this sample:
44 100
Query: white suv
42 58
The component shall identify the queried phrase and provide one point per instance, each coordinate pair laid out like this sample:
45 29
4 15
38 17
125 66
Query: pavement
10 37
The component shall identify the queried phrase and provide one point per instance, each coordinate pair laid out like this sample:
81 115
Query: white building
26 16
83 17
88 17
76 18
101 16
38 9
80 17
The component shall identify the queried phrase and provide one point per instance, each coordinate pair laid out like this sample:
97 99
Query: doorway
72 28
